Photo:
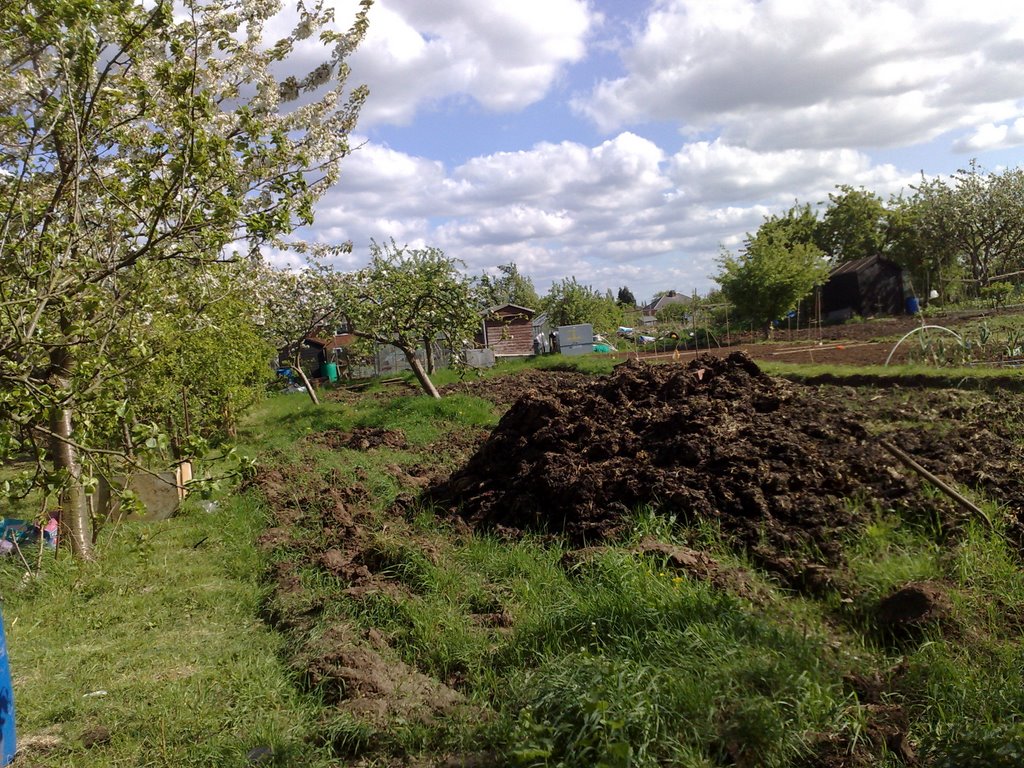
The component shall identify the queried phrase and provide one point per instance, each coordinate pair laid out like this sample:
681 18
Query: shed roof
856 265
515 307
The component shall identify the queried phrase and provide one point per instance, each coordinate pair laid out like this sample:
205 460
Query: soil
909 610
505 390
867 343
325 520
361 681
967 438
714 440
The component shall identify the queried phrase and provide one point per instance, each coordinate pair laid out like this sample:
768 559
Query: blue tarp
7 736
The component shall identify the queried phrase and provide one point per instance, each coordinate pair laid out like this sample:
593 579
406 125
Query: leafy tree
408 298
569 302
134 134
197 361
853 226
771 275
509 286
626 298
919 247
797 226
978 216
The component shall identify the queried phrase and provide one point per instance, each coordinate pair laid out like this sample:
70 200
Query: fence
388 359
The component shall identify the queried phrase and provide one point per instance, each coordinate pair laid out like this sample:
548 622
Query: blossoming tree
408 297
135 134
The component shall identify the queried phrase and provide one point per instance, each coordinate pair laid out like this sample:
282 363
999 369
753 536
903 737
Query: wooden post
184 475
960 499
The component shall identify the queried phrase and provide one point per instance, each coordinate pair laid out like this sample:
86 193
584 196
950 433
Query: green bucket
329 371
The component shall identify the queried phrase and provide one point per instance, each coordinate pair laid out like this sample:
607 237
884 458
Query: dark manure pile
715 439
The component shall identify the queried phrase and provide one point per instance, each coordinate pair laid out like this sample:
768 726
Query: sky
627 143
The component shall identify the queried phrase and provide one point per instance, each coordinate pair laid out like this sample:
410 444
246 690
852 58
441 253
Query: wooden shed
508 330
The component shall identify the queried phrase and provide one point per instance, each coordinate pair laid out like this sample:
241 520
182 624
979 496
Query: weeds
976 345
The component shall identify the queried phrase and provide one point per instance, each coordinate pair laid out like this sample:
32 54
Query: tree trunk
126 440
421 375
76 517
309 387
430 355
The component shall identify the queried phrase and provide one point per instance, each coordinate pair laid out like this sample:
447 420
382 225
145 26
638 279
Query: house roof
663 301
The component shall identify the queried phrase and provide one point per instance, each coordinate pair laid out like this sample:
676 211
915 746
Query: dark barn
866 287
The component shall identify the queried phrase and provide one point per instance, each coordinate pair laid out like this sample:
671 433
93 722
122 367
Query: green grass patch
158 646
424 419
986 378
615 661
562 659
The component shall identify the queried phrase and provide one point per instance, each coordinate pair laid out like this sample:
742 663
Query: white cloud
991 136
512 224
775 101
618 213
504 56
717 172
624 167
776 74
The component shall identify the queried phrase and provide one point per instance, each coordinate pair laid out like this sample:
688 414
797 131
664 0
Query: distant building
650 311
542 327
867 287
508 330
316 350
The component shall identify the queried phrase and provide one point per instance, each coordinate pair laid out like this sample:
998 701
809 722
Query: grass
155 652
616 660
953 377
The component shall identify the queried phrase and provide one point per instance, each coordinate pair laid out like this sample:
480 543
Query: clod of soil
505 390
360 680
912 608
362 438
95 736
695 564
714 439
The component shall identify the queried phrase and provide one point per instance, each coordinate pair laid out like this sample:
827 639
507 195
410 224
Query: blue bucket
913 305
